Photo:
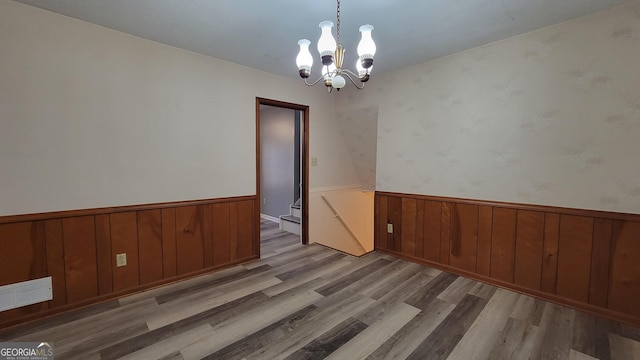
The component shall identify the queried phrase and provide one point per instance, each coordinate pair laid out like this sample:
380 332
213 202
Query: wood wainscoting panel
464 237
574 257
150 246
485 221
55 261
245 228
503 238
529 244
380 221
408 226
189 245
233 231
581 258
103 250
600 262
445 232
169 251
163 242
81 269
23 252
625 271
432 222
221 224
104 255
550 252
24 255
419 228
207 231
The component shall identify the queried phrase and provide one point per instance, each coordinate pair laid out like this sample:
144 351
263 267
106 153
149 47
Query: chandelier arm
349 73
313 83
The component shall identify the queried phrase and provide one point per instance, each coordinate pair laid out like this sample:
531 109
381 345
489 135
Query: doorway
300 189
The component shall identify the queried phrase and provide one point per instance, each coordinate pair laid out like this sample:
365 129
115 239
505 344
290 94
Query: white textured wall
91 117
359 131
549 117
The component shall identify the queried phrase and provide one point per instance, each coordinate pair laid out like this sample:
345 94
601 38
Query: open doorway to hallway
282 165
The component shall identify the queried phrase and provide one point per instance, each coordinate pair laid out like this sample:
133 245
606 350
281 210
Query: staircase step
290 218
295 211
296 206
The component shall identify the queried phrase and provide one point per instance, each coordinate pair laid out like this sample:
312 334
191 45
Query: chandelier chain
338 22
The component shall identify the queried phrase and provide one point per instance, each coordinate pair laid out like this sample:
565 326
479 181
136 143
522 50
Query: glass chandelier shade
366 47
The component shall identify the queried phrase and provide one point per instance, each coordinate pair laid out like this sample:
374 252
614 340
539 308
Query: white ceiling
263 34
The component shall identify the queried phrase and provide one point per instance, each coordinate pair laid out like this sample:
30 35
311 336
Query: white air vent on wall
25 293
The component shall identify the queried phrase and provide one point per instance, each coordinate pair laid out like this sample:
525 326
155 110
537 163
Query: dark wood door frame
305 166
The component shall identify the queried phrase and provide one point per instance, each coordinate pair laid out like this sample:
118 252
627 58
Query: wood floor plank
330 341
516 341
446 336
576 355
457 290
167 347
483 290
477 343
364 343
556 343
407 339
590 336
422 298
624 348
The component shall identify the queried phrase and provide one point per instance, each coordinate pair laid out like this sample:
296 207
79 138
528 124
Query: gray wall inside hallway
276 160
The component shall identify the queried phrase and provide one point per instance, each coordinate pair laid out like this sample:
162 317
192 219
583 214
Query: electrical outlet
121 260
389 228
314 161
264 201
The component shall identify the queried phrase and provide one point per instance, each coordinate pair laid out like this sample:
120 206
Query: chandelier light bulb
326 44
338 82
304 60
328 71
361 70
366 47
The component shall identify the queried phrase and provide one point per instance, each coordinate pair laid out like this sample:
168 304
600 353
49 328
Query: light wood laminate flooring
312 302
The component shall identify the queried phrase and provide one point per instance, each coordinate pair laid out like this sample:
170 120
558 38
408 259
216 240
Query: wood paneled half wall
586 259
162 242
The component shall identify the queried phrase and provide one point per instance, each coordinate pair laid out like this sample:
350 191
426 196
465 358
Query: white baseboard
270 218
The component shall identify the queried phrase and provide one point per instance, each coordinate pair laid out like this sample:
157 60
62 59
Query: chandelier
332 57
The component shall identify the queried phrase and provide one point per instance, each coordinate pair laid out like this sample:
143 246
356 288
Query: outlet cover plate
121 260
389 228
